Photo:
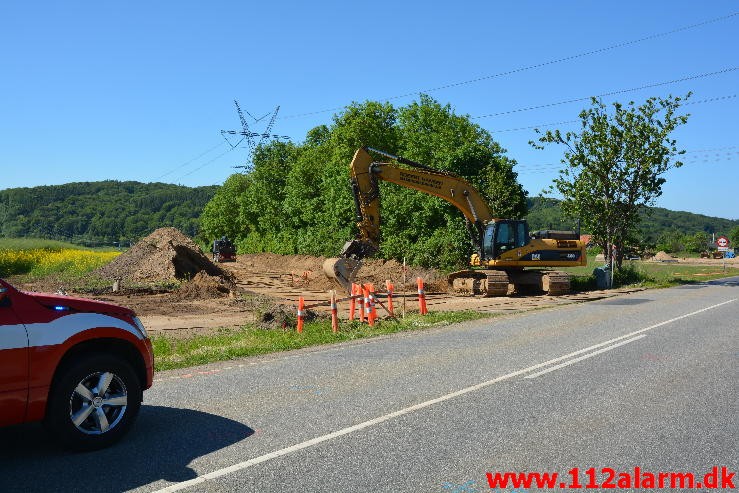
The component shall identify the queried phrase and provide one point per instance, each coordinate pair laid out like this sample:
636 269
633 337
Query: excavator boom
365 176
501 245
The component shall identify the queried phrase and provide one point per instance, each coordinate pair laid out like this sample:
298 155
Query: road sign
722 242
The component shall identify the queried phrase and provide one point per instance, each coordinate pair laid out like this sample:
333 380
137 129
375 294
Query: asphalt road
645 380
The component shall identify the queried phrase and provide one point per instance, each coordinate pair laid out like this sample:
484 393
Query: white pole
613 264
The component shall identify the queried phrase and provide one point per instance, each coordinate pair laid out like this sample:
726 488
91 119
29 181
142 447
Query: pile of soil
165 255
204 286
662 256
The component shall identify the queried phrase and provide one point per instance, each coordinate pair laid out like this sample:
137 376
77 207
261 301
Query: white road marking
595 353
381 419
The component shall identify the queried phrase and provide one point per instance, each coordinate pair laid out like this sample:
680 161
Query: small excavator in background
503 247
223 250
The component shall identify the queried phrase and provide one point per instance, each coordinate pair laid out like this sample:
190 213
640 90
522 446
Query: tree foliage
615 165
105 212
734 236
297 199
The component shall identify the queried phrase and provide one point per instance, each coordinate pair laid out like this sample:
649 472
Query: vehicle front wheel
93 402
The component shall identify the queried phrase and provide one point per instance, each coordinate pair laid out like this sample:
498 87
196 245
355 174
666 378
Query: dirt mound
164 255
662 256
204 286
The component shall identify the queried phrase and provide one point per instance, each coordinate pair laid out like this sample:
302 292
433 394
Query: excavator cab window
503 236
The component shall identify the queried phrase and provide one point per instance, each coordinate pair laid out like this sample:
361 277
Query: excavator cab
504 235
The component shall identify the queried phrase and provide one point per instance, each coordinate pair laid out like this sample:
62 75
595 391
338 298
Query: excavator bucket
342 270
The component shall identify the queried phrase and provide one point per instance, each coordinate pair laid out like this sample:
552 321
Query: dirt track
265 283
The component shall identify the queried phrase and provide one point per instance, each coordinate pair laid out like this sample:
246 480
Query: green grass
249 341
36 244
44 244
651 274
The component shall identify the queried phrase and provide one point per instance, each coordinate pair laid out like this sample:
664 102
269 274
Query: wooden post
353 302
403 285
360 295
334 313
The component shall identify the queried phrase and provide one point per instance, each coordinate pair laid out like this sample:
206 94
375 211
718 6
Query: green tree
697 242
297 198
734 237
221 214
671 242
614 166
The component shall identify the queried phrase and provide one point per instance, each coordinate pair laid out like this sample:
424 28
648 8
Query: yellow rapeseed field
42 261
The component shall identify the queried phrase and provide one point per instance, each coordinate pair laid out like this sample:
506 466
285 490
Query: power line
543 168
531 67
710 100
612 93
712 150
210 149
190 160
533 126
541 125
206 163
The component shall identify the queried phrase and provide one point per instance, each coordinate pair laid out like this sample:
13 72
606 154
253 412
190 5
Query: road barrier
368 305
421 297
301 313
390 289
368 301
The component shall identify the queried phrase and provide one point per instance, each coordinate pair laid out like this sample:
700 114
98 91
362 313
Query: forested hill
544 213
100 213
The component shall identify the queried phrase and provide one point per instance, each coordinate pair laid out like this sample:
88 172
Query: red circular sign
722 241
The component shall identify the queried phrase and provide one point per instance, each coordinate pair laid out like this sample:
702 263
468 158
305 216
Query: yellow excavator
503 247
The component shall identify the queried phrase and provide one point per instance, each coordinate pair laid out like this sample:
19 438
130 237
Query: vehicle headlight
141 327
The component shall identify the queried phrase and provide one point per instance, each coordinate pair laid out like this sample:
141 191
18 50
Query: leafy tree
221 214
734 237
697 242
615 165
297 199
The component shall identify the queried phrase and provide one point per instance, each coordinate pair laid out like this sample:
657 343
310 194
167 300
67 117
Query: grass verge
249 341
651 275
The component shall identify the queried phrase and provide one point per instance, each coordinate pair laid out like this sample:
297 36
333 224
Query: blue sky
141 90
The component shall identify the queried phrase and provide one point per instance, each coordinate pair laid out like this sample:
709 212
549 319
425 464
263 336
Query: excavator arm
366 173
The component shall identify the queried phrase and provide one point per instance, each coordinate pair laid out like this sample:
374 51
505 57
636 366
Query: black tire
102 418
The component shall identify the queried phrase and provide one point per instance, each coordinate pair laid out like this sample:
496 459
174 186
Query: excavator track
497 283
480 282
555 283
551 282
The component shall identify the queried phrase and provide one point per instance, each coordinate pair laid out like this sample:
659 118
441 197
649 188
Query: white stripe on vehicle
61 329
13 337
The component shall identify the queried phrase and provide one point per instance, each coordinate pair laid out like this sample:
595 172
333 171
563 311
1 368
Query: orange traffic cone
301 312
421 297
